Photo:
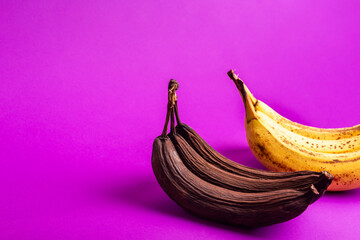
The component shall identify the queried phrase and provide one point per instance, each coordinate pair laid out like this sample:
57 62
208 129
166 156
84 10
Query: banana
213 174
215 203
215 158
307 131
208 191
344 145
279 148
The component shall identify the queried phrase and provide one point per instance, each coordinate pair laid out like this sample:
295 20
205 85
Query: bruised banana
281 145
210 192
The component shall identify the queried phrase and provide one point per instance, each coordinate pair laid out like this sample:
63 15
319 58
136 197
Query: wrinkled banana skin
219 204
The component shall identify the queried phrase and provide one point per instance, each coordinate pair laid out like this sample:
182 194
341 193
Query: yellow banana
343 145
307 131
280 148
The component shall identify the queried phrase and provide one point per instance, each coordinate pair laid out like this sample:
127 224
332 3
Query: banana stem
172 87
168 112
177 114
238 82
249 106
172 123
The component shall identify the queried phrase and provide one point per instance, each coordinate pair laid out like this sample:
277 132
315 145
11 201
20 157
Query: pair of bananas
207 184
282 145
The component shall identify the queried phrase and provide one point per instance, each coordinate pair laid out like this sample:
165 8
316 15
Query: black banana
224 194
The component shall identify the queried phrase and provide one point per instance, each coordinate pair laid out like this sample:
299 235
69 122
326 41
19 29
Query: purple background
83 94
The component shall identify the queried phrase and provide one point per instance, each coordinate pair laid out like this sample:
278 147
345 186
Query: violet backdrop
83 93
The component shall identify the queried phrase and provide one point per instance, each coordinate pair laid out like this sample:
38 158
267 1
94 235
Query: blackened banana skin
211 172
219 204
296 180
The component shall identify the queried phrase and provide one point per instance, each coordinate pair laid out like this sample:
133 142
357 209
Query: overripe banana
208 190
229 180
236 176
281 145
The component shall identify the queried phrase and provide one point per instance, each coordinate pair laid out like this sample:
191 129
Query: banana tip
327 175
313 188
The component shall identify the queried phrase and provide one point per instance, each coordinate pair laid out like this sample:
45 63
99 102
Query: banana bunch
208 185
282 145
